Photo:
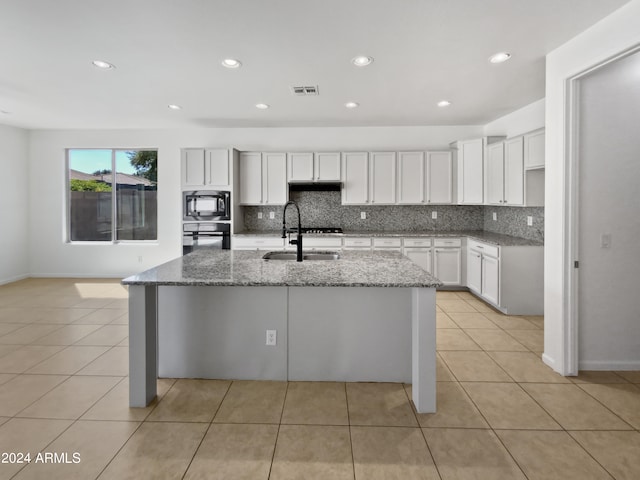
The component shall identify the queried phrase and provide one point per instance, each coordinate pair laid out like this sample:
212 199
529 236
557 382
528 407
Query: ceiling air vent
305 90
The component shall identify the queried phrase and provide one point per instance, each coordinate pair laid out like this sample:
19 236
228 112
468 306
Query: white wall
14 197
51 255
523 120
614 34
609 196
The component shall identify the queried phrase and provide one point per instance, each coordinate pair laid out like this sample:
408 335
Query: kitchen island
368 316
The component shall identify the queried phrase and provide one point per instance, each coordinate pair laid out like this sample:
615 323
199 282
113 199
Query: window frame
114 203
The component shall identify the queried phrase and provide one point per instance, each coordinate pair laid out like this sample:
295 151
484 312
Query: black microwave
206 205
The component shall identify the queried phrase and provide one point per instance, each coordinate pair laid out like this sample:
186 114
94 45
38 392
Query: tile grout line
275 444
353 460
205 432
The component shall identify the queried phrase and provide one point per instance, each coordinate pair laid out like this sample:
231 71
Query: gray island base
367 317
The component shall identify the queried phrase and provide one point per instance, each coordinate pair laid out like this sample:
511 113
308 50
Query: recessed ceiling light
231 63
103 65
262 106
173 106
361 60
351 104
500 57
444 103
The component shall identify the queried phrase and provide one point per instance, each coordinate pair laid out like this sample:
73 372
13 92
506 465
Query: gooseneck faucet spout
298 241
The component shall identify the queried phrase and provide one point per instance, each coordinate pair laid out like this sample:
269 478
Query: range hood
317 186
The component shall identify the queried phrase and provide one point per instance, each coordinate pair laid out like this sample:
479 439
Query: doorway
605 232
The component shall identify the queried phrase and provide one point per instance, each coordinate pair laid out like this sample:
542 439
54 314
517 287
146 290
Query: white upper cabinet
439 177
192 167
313 167
383 177
327 166
514 171
216 167
534 149
205 168
355 178
470 171
275 190
263 178
250 165
300 167
411 178
494 170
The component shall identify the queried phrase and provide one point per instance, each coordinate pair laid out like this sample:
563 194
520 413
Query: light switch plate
495 216
259 215
434 215
363 215
530 221
272 215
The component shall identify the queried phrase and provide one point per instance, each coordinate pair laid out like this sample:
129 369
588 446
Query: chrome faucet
298 241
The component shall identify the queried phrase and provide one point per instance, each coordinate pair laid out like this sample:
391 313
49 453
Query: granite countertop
481 235
214 267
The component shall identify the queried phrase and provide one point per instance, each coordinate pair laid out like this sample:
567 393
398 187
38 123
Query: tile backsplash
324 209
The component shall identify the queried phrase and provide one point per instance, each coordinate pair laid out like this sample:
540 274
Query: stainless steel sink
305 256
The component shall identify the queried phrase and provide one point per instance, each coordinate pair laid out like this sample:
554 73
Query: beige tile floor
501 413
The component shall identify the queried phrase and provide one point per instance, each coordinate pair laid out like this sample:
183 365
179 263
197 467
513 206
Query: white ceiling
169 51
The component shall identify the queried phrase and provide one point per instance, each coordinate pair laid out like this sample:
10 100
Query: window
97 196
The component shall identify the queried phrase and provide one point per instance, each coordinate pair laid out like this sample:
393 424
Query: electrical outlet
272 215
363 215
271 337
259 215
495 216
434 215
605 240
530 221
139 258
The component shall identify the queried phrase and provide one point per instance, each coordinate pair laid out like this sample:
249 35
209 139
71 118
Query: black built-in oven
206 205
205 235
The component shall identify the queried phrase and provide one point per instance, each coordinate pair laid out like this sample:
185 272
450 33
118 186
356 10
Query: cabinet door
411 175
300 166
514 171
250 166
355 178
490 279
439 179
274 178
474 271
470 171
420 256
534 150
446 265
383 177
216 167
495 174
193 167
327 166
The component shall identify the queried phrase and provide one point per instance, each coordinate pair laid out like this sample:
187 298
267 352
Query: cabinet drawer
387 242
447 242
417 242
491 250
321 242
251 243
357 242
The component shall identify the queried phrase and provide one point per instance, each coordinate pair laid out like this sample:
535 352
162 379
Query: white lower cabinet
256 242
421 256
447 261
357 243
483 270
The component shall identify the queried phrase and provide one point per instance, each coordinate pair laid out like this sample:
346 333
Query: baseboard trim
550 362
79 275
17 278
622 365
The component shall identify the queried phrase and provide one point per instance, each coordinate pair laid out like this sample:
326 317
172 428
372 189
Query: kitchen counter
247 268
204 315
481 235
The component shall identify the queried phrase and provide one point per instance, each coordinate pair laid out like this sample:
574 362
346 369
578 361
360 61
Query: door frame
571 312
